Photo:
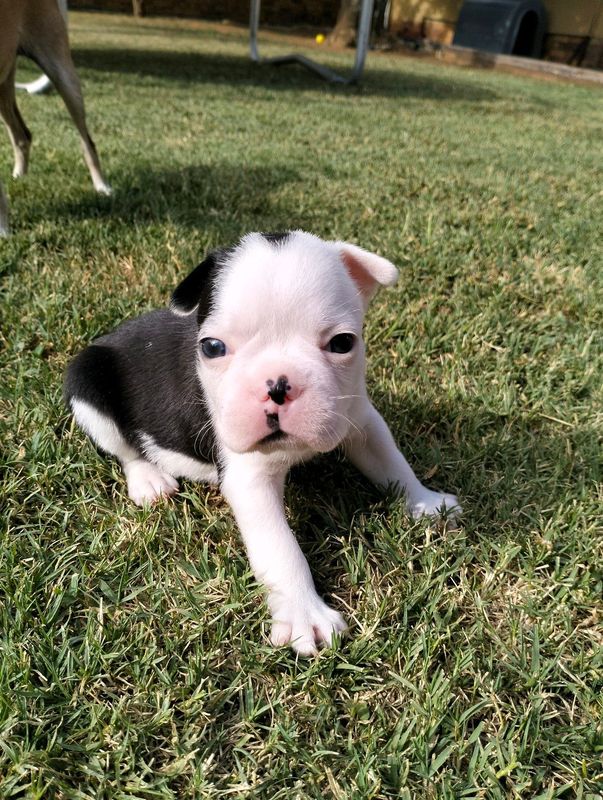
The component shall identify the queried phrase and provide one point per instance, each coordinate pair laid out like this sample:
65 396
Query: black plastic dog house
514 27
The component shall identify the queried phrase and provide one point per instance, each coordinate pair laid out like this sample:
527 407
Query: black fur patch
278 238
143 376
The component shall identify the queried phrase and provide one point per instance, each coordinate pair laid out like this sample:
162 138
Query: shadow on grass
215 196
188 68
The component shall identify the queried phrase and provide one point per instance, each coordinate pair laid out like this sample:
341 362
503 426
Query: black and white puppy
257 365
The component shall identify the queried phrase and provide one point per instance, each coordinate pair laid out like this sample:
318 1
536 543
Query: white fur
253 485
178 464
102 430
276 312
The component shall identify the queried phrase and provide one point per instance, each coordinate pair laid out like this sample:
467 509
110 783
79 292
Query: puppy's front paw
146 482
304 622
434 504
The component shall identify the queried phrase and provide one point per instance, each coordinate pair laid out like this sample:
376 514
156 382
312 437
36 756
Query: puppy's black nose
278 391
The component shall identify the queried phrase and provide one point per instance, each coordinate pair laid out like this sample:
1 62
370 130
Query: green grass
134 660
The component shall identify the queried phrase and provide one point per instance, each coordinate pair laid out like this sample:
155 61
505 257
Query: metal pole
362 43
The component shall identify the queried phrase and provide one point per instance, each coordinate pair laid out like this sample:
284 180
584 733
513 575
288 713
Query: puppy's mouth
275 436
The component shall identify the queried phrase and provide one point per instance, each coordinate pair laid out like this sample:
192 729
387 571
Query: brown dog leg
17 130
49 47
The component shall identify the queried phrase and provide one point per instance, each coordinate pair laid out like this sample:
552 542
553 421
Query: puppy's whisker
207 426
352 424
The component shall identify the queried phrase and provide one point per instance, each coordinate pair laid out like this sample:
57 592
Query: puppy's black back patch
94 376
143 376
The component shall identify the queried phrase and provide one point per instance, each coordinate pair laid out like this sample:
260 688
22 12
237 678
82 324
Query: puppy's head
280 351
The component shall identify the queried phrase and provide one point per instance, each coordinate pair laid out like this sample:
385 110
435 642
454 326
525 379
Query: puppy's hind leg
17 130
146 482
51 52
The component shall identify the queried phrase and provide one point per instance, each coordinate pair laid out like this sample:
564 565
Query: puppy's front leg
372 449
254 489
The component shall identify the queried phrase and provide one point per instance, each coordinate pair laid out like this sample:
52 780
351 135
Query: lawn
134 659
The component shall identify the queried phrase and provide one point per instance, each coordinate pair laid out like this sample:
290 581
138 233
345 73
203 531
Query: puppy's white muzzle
278 401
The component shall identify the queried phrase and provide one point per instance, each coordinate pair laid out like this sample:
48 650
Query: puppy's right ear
195 291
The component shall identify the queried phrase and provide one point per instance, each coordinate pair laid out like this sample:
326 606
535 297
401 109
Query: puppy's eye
213 348
341 343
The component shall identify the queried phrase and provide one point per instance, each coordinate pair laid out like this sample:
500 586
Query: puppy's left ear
367 270
195 291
